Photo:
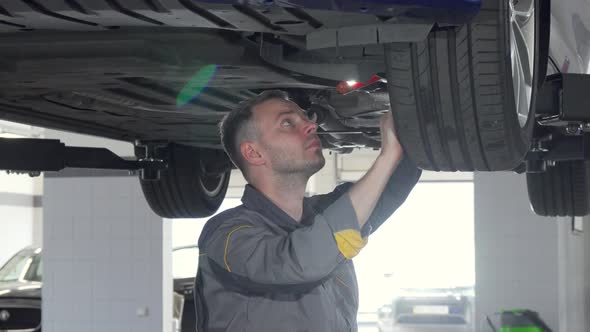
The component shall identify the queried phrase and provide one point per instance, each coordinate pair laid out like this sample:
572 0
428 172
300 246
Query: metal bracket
367 34
32 156
151 154
563 122
550 149
563 102
337 70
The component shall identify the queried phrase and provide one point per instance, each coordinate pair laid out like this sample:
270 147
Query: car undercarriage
467 85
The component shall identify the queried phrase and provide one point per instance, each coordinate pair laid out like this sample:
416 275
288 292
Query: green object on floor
522 320
521 329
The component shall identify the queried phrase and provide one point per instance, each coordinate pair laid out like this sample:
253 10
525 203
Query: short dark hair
237 126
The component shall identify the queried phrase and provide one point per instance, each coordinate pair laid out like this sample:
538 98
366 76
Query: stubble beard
284 164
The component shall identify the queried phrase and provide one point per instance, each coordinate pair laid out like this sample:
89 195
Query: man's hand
391 149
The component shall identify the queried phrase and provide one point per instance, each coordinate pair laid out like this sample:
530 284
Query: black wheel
464 98
562 190
193 186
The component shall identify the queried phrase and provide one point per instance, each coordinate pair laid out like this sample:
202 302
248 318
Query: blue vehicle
465 78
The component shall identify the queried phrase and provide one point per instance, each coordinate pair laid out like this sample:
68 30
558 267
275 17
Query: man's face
288 138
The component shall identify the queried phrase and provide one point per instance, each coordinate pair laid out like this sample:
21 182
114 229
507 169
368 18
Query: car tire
186 189
453 94
561 190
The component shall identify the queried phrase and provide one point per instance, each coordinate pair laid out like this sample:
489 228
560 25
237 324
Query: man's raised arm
307 255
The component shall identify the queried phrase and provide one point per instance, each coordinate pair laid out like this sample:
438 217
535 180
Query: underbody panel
292 16
170 69
156 85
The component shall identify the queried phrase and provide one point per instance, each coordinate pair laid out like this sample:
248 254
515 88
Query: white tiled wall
106 255
18 217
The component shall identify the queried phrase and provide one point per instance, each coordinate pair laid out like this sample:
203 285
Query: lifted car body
461 76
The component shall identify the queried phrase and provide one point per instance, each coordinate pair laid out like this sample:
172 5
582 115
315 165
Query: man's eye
287 123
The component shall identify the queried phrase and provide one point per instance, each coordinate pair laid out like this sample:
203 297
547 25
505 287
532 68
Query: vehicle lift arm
32 156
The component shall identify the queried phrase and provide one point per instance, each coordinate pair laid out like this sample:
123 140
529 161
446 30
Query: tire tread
175 194
561 190
457 83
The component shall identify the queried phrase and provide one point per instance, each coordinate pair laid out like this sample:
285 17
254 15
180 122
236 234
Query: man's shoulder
239 215
228 214
321 201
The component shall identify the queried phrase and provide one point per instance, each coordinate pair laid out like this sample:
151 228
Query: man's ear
251 154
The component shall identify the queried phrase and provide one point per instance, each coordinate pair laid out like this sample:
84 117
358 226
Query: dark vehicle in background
429 310
21 279
462 76
20 292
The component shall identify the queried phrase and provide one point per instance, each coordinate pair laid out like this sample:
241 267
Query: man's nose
310 127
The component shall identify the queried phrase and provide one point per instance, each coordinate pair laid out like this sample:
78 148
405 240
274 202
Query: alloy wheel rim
522 53
212 185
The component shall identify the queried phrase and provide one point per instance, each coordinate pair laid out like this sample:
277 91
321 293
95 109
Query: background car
462 77
20 291
21 279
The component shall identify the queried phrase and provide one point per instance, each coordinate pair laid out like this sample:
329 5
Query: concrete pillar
106 256
38 211
586 288
524 260
571 265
